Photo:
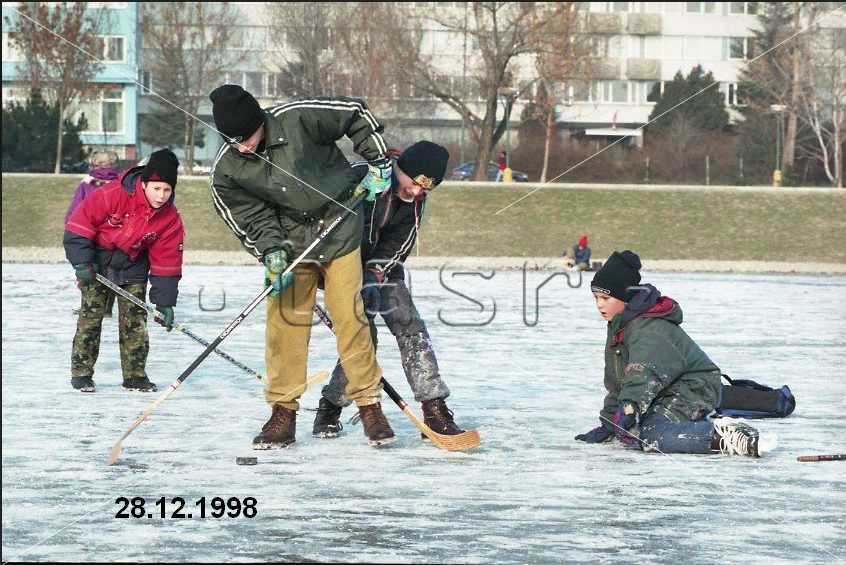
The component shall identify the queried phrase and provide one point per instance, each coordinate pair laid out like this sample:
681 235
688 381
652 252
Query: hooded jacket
116 228
91 182
286 204
651 362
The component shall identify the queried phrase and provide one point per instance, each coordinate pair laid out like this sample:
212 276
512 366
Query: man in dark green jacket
661 385
277 182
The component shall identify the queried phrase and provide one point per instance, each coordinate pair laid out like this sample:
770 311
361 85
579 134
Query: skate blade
325 435
140 389
87 389
381 442
267 446
766 442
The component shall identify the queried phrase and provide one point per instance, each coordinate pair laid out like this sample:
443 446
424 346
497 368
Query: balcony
643 69
605 68
604 23
643 24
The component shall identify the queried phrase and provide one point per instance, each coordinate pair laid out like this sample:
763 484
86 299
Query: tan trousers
289 321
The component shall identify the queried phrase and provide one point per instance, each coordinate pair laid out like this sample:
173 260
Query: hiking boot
438 417
327 421
279 431
736 437
83 384
140 384
376 426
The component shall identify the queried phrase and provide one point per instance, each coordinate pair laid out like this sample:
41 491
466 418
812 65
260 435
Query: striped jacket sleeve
326 120
253 221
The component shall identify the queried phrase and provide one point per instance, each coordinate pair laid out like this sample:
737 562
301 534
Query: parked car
466 171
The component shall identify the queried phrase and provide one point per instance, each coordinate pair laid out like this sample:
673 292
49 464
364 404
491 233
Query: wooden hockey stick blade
114 454
459 442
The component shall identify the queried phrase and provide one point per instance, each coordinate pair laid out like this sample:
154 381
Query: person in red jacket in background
126 231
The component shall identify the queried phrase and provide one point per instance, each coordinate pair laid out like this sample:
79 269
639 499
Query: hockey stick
157 316
460 442
118 447
115 452
815 458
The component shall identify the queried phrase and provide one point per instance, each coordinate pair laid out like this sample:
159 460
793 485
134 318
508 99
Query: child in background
661 385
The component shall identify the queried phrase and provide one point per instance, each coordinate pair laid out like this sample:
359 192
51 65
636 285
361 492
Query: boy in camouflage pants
129 231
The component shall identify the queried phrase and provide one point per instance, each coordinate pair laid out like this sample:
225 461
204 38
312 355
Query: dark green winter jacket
651 362
281 206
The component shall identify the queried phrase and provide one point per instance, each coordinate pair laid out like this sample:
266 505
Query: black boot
140 384
437 416
279 431
83 384
376 426
327 421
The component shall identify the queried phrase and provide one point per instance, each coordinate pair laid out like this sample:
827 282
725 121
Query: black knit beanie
236 113
162 166
425 158
619 272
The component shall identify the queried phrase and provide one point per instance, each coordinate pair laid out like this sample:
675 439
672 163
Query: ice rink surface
530 494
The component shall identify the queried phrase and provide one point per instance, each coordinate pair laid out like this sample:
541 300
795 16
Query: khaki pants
289 321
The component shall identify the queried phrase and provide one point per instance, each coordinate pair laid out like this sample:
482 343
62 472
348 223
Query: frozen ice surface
530 494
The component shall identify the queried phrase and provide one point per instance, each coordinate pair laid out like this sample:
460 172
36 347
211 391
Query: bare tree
822 104
499 35
187 49
300 34
61 54
562 55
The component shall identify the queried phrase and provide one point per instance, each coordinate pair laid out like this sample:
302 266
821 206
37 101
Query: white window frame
146 85
745 56
701 8
746 8
100 99
102 54
13 53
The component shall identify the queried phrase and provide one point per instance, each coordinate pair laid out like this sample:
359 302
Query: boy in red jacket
124 231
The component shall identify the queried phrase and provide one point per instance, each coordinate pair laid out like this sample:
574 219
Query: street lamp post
778 109
507 93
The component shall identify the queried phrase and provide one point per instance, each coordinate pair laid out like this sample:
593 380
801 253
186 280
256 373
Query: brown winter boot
376 426
437 416
279 431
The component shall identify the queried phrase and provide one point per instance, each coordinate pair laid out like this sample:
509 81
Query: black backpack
748 399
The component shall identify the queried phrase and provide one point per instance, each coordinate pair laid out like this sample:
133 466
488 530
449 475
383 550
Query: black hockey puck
246 460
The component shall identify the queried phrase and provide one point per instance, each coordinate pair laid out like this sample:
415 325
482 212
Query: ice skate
139 384
327 421
439 418
376 426
736 437
83 384
279 431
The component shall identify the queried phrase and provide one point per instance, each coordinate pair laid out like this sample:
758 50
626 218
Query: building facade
110 106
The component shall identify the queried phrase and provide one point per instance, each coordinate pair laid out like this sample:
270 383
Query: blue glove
370 292
378 178
85 273
596 435
167 316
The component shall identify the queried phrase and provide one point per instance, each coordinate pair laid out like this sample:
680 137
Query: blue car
466 171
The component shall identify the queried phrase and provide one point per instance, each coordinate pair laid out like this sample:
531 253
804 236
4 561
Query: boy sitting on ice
661 385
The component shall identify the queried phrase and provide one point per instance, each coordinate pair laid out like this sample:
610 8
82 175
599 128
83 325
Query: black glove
596 435
370 292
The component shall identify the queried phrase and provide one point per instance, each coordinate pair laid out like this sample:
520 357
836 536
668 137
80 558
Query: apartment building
110 106
638 45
